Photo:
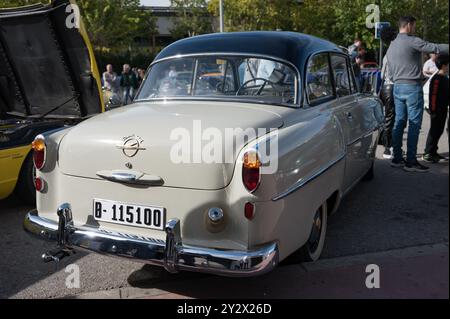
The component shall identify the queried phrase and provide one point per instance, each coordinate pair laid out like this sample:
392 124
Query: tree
247 15
339 21
116 23
192 18
433 20
351 17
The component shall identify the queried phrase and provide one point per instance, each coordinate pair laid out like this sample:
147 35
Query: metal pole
222 28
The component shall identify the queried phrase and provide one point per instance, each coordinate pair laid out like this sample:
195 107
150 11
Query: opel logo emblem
131 145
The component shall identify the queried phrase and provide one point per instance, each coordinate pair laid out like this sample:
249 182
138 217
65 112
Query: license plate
129 214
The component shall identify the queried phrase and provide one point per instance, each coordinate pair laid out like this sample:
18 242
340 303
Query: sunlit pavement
398 222
403 274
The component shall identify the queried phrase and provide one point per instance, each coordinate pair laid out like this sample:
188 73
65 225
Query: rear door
351 117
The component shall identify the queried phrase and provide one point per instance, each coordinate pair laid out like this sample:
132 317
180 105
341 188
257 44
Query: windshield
234 78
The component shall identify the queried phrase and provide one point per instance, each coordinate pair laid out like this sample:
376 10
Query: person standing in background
128 82
140 78
405 65
110 79
430 68
353 49
438 109
387 97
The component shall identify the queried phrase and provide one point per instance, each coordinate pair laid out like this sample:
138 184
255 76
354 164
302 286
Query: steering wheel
261 87
224 87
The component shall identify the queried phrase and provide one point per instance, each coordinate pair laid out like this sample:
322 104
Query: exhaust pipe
56 255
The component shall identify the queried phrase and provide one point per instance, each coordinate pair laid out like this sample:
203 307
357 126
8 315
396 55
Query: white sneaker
388 154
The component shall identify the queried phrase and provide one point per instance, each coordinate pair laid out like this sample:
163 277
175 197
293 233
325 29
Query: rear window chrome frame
297 84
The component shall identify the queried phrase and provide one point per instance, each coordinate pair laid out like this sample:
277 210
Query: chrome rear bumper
170 254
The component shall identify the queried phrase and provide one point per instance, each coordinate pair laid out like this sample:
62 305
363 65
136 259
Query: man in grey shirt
405 68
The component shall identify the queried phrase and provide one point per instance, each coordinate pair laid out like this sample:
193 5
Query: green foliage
248 15
339 21
192 18
116 23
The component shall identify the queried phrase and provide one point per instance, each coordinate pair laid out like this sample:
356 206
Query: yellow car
48 79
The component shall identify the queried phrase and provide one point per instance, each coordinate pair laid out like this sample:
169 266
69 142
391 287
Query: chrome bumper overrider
170 254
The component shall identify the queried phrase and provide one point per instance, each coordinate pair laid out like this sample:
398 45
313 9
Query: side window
353 85
341 75
353 82
318 79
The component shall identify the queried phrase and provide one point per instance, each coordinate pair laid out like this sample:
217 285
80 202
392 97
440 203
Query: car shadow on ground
392 211
204 286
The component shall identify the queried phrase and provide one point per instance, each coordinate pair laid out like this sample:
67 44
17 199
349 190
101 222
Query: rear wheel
25 189
313 248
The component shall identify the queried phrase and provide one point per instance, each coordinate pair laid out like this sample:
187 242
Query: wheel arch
333 202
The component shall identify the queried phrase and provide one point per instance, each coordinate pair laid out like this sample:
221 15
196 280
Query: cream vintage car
177 179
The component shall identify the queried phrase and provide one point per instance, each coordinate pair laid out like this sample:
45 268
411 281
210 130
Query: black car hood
44 64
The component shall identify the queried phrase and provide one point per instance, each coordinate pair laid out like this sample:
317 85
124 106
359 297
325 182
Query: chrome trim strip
213 99
364 136
303 182
171 254
298 81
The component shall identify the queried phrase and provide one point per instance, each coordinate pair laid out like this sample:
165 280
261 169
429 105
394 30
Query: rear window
222 77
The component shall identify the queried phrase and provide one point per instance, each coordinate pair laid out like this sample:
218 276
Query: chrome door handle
123 177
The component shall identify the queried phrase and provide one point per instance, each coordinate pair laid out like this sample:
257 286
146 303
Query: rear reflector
249 211
39 184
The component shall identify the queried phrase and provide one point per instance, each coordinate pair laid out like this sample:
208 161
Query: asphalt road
396 210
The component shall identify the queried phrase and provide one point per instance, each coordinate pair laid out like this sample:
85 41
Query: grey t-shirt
405 57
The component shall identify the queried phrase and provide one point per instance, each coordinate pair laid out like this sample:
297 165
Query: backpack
426 92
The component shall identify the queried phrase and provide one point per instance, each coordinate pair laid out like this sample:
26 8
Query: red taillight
251 171
249 211
38 146
39 184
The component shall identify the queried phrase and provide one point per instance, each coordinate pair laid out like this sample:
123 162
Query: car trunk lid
165 144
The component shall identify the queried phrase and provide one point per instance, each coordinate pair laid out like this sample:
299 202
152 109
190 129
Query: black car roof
290 46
